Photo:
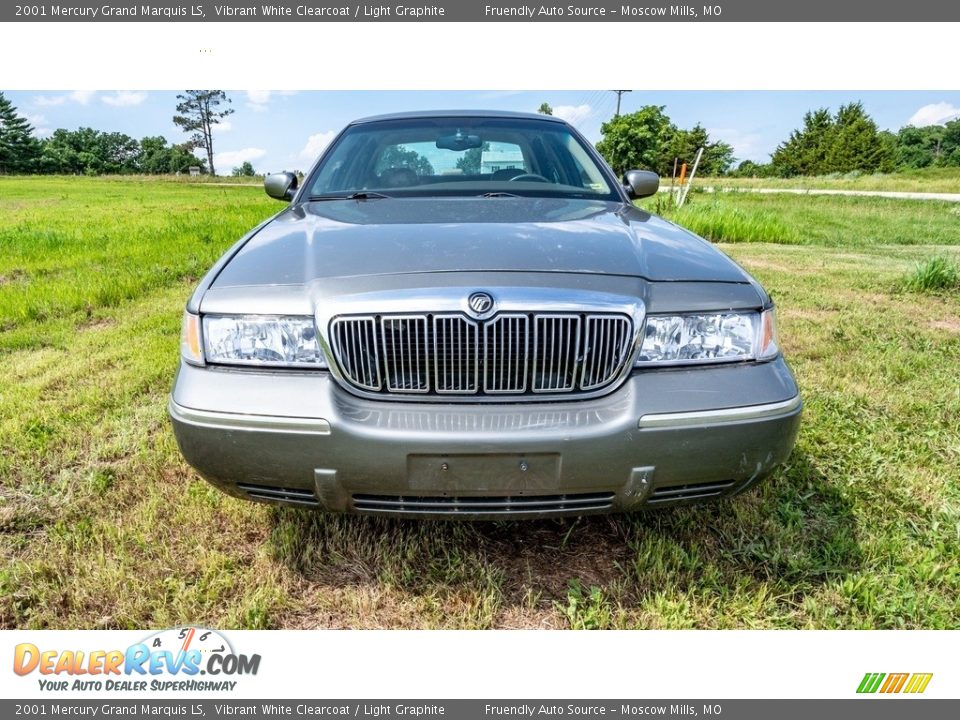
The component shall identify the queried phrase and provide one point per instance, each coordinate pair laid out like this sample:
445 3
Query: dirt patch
97 323
543 558
16 275
763 264
805 314
950 325
518 618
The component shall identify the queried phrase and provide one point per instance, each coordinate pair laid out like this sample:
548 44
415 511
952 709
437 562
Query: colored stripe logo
913 683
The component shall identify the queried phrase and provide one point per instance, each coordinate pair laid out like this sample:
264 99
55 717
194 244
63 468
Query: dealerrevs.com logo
180 659
891 683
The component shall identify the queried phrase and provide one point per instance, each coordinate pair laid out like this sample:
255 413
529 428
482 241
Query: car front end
479 355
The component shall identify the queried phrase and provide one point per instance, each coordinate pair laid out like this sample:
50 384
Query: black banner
482 11
874 708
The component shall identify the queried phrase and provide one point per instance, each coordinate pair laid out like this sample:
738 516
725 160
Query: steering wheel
529 176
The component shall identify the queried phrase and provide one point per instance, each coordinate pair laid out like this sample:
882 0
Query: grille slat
508 354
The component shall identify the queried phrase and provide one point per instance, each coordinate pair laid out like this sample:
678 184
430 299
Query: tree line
846 141
850 140
648 139
87 151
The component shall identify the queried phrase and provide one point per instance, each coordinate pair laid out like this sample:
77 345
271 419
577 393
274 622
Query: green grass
934 275
103 525
71 247
816 220
944 180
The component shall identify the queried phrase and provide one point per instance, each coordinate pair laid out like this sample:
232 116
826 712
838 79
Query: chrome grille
456 362
354 342
608 339
505 344
405 348
509 354
556 341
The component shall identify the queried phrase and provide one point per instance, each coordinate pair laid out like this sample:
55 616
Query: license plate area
484 473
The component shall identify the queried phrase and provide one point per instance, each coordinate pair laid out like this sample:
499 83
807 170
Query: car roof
457 114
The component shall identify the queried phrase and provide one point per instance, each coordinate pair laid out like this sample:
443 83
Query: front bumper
664 437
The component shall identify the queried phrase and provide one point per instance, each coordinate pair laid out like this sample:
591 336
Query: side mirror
641 183
281 186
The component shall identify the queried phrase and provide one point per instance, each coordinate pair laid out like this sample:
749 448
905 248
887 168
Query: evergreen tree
198 112
805 152
19 149
854 143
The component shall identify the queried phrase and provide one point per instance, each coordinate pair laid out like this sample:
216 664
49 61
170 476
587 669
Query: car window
460 156
426 159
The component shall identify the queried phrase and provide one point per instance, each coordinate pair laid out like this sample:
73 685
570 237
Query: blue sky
281 130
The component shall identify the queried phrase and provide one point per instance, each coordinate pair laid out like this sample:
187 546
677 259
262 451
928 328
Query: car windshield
496 157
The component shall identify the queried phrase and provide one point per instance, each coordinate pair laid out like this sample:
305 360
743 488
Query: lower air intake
296 496
465 506
674 493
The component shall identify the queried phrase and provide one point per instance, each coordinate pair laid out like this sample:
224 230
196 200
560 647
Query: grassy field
835 221
946 180
103 525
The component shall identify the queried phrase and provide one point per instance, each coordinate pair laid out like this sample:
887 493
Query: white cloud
82 97
39 121
746 145
223 126
257 100
934 114
316 144
49 100
230 159
125 98
573 114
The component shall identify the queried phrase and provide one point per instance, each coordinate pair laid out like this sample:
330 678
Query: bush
935 274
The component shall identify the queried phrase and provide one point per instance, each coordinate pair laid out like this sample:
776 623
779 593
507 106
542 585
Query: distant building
493 160
194 170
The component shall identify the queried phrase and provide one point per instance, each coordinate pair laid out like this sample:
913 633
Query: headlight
709 338
261 340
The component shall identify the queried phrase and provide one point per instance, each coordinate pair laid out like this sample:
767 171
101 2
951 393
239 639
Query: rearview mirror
641 183
458 142
281 186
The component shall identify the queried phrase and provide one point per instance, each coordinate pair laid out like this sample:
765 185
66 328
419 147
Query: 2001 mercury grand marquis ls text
464 314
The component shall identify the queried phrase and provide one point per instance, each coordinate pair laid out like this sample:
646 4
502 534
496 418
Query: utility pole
619 95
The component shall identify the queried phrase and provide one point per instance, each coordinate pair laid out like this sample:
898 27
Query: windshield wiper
361 195
498 194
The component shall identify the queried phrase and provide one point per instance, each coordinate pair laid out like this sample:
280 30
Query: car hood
355 238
